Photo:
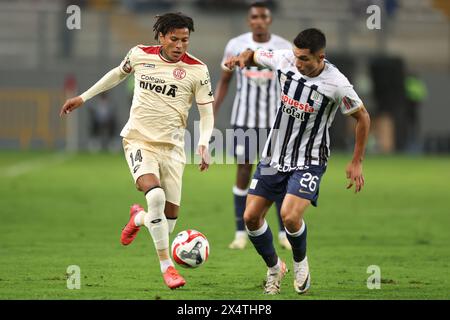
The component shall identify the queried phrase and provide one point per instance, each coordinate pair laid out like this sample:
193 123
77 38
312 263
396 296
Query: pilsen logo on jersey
168 90
179 73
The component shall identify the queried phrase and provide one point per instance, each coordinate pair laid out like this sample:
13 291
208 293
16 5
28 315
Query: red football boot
173 279
130 231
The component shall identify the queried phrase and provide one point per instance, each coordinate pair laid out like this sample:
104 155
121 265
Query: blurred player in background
166 80
297 150
254 108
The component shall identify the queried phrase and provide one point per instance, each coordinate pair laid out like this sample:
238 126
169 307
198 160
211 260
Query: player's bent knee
291 222
146 182
156 197
252 219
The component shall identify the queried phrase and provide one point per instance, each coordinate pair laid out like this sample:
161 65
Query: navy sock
239 208
298 243
280 221
264 245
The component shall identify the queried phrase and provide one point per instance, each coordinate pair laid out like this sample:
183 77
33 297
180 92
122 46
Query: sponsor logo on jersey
206 81
256 74
296 104
267 54
149 65
293 112
152 79
168 90
349 103
179 73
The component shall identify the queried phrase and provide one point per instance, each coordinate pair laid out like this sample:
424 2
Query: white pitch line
25 167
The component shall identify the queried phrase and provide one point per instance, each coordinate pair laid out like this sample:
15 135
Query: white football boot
302 278
283 241
273 280
239 242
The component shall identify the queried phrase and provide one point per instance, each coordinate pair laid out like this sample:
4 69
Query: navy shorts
248 143
274 185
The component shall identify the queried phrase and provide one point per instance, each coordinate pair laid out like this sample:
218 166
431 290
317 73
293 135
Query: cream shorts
144 158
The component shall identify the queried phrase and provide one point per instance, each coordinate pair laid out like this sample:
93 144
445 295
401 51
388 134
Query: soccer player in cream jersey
298 147
167 78
254 109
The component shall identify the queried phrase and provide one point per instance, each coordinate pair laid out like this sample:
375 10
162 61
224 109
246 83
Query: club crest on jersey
179 73
315 96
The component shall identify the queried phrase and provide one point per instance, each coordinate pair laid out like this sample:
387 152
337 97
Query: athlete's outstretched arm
354 168
206 129
108 81
245 59
222 90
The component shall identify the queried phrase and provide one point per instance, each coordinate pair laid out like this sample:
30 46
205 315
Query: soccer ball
190 249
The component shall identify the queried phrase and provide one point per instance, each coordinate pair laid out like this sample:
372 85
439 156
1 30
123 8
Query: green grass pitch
58 210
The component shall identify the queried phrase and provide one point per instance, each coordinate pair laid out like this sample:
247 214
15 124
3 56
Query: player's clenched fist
70 105
243 60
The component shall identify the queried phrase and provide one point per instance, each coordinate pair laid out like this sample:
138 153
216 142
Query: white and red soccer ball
190 248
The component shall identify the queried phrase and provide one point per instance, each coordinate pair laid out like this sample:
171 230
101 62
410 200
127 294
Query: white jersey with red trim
163 94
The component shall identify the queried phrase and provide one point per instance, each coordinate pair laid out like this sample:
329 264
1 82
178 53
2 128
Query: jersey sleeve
268 58
202 90
347 99
127 65
228 53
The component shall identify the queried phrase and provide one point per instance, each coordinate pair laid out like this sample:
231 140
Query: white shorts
144 158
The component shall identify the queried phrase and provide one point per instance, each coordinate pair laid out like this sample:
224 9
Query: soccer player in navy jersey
298 147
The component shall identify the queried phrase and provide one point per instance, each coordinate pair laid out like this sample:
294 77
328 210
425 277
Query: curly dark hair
170 21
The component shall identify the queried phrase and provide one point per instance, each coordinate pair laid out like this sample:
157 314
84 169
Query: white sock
172 222
165 264
155 220
258 232
139 218
276 268
281 235
241 234
297 264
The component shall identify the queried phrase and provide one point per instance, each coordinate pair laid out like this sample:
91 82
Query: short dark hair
169 21
259 4
312 39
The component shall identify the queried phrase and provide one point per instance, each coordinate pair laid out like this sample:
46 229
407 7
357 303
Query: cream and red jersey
163 94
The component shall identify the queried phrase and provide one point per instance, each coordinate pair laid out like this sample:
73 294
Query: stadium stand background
42 62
